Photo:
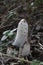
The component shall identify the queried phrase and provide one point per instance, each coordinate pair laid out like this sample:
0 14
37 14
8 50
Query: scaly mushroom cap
22 33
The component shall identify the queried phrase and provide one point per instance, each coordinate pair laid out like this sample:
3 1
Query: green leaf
5 32
35 62
41 63
4 38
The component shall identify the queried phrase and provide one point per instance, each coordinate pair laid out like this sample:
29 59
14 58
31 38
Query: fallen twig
16 58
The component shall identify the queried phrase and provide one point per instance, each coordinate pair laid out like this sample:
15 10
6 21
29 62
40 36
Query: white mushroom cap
22 33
